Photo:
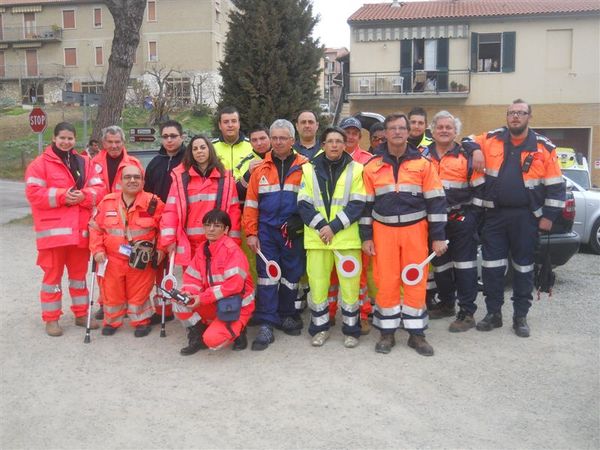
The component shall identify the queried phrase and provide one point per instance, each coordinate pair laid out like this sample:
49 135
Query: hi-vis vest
349 187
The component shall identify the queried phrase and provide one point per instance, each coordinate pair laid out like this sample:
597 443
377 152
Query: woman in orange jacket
200 184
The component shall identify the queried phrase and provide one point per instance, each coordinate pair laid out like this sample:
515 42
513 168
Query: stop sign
38 120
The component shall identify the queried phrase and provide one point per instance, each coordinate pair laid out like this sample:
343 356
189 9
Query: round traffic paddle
347 265
413 273
273 269
169 282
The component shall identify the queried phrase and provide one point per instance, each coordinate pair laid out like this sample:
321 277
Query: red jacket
182 218
47 180
360 156
100 168
229 270
107 229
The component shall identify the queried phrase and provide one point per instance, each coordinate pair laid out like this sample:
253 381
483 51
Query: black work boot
420 344
241 342
385 343
441 310
489 322
195 341
520 326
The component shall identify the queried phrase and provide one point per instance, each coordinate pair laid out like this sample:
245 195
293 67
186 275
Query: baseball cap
350 122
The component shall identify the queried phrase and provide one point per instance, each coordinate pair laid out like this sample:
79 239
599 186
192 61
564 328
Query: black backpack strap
220 192
185 181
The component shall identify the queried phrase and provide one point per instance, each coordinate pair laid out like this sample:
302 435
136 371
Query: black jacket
158 172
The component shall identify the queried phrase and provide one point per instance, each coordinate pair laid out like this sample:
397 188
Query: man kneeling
218 272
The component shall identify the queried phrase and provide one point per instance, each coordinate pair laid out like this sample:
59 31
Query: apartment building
47 46
473 57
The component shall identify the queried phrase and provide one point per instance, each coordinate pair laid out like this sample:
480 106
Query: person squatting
321 215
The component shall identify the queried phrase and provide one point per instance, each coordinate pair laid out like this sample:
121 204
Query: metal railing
418 82
22 71
31 33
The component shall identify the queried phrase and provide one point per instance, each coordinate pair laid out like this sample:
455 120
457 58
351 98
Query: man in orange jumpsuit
405 205
125 231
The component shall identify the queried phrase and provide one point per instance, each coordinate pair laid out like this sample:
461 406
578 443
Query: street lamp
328 83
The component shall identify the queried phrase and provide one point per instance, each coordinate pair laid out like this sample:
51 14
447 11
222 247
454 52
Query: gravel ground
481 390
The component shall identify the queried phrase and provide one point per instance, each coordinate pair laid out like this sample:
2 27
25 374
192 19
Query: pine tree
270 68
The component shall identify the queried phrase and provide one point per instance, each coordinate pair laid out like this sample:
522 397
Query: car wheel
595 237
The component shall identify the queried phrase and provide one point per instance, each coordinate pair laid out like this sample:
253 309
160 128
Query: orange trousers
396 247
53 262
127 290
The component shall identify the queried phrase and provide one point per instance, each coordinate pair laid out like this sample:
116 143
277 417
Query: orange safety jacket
191 196
47 180
269 200
541 172
401 192
360 156
115 225
229 270
100 167
462 185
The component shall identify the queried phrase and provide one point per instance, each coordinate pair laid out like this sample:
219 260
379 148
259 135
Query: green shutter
474 49
509 39
442 64
406 46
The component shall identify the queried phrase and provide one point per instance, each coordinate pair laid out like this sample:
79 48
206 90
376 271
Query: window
151 11
29 25
152 51
92 87
68 19
217 16
559 48
32 93
97 17
70 57
99 56
179 88
493 52
1 36
2 70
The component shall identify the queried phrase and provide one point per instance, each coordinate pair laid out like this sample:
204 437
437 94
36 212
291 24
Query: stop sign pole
38 121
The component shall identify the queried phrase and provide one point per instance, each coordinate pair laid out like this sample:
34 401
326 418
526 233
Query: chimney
396 4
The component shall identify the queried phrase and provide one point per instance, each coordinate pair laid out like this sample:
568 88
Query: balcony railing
22 71
418 82
30 34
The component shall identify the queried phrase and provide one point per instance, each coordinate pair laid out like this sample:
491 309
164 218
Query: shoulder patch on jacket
373 158
98 168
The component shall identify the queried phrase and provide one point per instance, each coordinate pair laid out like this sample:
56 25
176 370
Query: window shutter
509 39
406 62
442 64
474 49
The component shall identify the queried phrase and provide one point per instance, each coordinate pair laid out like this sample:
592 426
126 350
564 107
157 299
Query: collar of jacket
241 137
454 151
163 151
214 173
298 161
528 145
320 163
215 247
411 153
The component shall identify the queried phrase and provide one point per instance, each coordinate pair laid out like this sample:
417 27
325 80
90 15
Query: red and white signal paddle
347 265
169 282
413 273
273 269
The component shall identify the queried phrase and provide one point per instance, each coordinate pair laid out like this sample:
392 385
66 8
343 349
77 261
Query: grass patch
27 220
15 111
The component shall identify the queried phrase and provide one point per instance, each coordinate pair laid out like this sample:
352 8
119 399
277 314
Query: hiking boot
292 326
156 319
420 344
489 322
82 322
53 328
320 338
385 343
350 342
463 322
142 331
365 327
441 310
107 330
520 326
241 342
99 314
195 342
264 338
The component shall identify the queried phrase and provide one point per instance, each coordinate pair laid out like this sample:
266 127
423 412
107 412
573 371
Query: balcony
30 34
22 71
418 83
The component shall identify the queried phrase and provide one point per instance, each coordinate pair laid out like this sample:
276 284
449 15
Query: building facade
47 46
473 57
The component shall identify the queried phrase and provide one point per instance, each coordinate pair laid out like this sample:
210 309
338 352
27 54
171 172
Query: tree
127 16
271 65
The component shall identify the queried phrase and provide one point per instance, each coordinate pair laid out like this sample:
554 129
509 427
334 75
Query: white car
587 214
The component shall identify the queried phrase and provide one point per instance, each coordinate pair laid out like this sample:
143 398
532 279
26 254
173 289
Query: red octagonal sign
38 120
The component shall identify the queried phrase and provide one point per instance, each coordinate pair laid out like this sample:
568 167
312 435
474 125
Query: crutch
86 339
168 282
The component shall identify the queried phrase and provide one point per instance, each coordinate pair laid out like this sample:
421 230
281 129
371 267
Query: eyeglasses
517 113
334 141
170 136
396 128
280 139
132 177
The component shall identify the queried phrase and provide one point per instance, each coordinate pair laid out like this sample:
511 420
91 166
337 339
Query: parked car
145 156
587 217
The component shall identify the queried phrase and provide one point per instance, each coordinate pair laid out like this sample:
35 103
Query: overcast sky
332 29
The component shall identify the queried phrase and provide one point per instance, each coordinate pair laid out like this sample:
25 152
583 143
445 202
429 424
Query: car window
580 177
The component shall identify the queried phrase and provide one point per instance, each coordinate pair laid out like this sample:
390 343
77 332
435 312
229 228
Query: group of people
319 209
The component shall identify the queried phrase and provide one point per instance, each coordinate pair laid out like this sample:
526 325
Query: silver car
587 214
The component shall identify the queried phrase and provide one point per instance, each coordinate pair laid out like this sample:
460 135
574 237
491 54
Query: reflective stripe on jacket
416 193
345 207
231 154
543 181
47 180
